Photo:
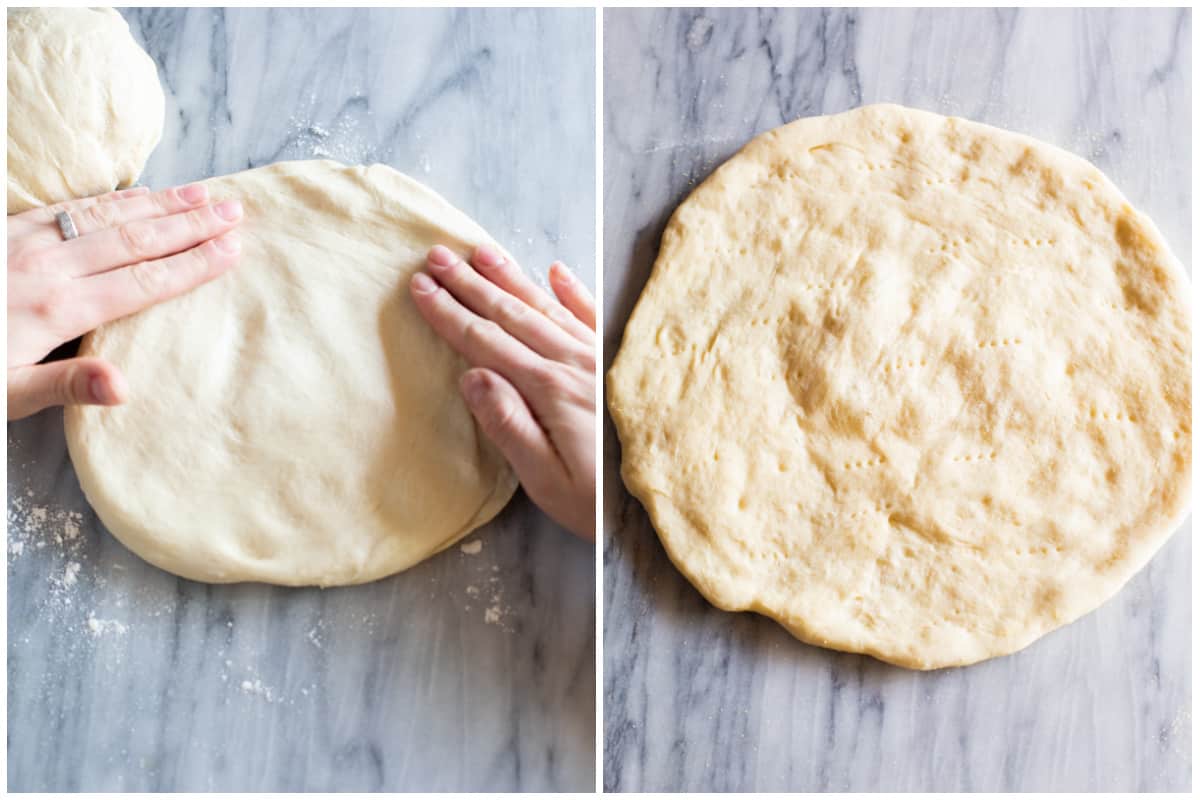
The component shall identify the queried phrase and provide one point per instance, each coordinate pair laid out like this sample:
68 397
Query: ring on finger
66 226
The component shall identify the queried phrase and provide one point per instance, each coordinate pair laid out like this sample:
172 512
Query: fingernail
423 284
230 243
488 256
194 193
229 210
441 256
474 387
102 393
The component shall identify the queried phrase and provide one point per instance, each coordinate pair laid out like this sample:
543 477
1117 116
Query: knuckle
200 260
138 238
54 208
202 221
25 257
70 386
163 202
454 272
151 278
510 309
51 307
481 332
497 269
548 377
101 215
61 385
558 314
502 421
586 360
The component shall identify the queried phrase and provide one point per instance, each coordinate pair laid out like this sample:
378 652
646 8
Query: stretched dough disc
85 108
295 421
913 386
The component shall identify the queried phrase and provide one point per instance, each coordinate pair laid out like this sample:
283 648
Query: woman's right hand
533 379
134 249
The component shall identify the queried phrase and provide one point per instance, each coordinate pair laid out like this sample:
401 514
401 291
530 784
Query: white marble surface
699 699
400 684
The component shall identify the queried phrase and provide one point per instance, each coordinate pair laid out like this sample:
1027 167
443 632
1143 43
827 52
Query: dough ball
85 108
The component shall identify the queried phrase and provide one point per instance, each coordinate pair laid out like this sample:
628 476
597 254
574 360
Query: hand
134 249
532 387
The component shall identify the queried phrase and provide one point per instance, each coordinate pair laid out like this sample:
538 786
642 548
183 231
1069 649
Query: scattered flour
342 140
258 688
100 627
253 685
70 574
39 526
488 591
699 33
314 637
48 542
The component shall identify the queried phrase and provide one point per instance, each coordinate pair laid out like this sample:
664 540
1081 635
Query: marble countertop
699 699
468 672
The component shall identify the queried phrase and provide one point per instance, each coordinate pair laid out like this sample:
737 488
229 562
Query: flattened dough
85 108
295 421
912 386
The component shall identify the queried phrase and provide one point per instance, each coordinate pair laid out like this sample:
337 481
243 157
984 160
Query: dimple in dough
295 421
85 108
913 386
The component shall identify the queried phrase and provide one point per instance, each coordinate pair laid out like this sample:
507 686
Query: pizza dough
912 386
85 109
295 421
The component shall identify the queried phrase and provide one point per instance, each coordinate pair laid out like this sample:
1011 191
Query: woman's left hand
134 249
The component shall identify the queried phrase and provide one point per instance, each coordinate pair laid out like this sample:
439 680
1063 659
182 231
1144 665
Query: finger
509 277
146 239
41 221
109 213
90 381
506 420
47 213
517 317
571 292
480 341
115 294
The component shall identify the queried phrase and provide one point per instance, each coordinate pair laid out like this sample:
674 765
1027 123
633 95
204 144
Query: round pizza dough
912 386
295 421
85 109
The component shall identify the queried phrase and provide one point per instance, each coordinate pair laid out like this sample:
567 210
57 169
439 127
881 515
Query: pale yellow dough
295 421
85 108
913 386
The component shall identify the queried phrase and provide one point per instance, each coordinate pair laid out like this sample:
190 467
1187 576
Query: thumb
507 421
90 381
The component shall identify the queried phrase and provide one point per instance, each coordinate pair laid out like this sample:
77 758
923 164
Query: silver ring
67 226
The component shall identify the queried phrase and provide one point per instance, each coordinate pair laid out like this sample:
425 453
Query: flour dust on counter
58 537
